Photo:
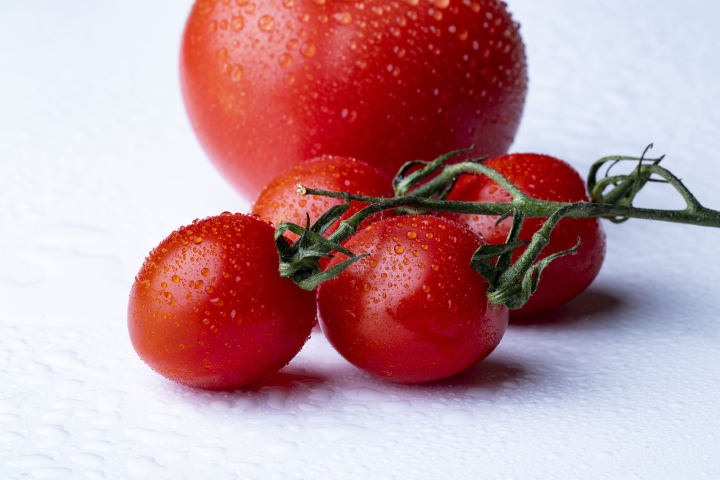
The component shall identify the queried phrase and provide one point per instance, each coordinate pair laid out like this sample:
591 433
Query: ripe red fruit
414 310
209 309
270 84
544 178
279 201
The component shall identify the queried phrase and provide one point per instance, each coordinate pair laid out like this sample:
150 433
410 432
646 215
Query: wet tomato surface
208 308
270 84
544 178
414 310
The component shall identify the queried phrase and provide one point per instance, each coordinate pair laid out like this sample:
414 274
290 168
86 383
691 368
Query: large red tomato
271 83
545 178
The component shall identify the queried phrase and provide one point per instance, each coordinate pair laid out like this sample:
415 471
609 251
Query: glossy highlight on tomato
270 84
544 178
414 310
208 308
279 201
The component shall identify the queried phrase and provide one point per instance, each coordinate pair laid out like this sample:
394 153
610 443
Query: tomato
414 310
209 309
544 178
270 84
279 202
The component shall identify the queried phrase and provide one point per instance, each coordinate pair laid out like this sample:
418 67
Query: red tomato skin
414 311
209 310
545 178
279 202
270 84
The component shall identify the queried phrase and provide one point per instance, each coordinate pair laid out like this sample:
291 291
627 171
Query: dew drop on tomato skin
203 337
405 337
384 64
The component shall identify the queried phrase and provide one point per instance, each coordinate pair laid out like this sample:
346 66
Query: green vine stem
511 284
693 214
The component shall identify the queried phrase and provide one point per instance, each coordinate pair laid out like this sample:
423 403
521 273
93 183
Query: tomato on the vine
270 84
414 310
279 202
209 309
544 178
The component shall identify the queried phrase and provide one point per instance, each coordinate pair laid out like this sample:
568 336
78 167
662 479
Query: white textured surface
97 164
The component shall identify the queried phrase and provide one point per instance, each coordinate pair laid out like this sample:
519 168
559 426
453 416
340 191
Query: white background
98 164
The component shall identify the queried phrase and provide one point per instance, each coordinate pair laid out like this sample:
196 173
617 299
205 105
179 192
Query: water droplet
348 115
373 263
411 235
218 302
292 44
199 284
266 23
426 289
435 267
175 279
285 60
237 23
163 285
343 18
205 272
209 289
288 3
308 49
237 73
197 239
399 249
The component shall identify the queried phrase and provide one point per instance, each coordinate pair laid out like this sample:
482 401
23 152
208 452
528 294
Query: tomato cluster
209 308
269 85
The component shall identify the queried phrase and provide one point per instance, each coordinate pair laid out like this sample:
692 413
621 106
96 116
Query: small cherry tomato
279 201
544 178
414 310
209 309
270 84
